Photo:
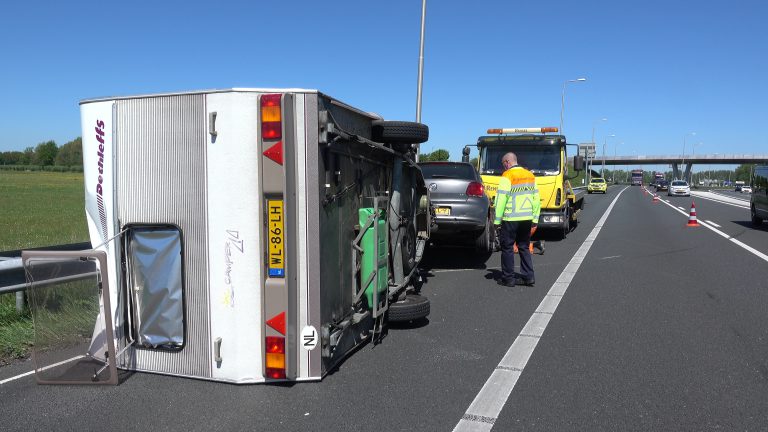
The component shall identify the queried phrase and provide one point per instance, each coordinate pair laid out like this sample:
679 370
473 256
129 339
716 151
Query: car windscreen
539 159
679 183
448 170
597 181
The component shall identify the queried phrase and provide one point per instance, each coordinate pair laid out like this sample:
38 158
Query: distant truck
242 235
657 177
738 184
637 177
544 155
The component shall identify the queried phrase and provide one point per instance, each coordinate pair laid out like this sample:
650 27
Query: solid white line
485 408
32 371
713 224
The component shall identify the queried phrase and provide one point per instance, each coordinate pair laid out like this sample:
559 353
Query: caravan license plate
443 211
275 238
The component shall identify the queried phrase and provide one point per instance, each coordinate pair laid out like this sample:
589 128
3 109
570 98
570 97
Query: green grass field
37 209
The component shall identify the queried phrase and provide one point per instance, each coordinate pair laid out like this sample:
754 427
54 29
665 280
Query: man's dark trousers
511 232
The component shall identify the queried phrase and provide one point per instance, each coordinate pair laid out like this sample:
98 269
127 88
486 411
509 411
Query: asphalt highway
661 326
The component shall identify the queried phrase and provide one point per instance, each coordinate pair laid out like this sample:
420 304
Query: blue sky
656 70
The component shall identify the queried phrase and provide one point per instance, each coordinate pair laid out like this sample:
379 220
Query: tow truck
546 157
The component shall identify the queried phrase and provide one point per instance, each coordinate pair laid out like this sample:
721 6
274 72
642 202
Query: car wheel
484 241
413 307
756 220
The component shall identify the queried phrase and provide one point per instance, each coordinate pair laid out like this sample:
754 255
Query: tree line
46 154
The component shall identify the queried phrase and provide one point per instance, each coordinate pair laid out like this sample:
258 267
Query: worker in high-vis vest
517 211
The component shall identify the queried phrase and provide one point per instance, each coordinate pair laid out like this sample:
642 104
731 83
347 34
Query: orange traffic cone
655 198
692 221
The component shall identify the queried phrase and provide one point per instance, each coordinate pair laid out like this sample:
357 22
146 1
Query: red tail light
475 189
271 117
275 357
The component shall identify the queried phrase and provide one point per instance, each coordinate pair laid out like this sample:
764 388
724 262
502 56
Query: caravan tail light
475 189
271 117
275 358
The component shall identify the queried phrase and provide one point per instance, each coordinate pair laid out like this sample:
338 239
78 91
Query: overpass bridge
686 160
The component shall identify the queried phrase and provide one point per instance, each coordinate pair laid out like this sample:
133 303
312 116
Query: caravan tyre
413 307
399 132
408 248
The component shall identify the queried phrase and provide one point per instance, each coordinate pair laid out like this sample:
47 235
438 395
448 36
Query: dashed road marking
713 224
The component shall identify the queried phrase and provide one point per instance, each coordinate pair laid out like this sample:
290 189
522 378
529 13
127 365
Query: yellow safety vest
517 198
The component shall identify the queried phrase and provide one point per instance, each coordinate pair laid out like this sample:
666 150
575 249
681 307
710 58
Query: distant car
662 185
597 184
746 189
679 188
461 205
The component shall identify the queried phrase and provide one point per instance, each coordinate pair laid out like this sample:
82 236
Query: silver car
679 188
461 205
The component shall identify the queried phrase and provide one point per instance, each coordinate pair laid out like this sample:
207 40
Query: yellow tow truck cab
546 157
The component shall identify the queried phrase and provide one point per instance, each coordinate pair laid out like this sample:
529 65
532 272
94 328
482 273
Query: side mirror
465 154
578 163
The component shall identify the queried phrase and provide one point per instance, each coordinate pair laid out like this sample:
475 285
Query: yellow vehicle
597 184
544 155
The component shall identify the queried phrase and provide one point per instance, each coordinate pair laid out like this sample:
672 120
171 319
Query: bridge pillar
688 172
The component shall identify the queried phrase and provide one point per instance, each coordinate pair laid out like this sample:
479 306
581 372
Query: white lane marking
485 408
681 208
729 196
720 199
32 371
666 200
713 224
744 246
610 257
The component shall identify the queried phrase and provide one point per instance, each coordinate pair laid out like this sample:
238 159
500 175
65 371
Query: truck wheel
484 242
566 224
755 219
399 132
413 307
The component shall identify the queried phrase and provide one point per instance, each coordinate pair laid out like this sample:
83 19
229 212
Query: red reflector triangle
277 322
275 152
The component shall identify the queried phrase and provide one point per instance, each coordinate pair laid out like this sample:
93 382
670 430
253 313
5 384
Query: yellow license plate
276 254
443 211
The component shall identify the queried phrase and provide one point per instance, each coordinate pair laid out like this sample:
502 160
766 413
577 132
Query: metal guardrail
12 278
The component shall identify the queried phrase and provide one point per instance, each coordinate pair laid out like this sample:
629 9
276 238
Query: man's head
509 160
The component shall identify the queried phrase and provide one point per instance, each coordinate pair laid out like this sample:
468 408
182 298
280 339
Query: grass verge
37 209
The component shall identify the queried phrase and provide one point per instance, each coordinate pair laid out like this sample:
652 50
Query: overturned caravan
243 235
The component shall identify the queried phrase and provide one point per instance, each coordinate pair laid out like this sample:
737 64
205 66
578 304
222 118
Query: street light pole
589 167
614 162
605 141
562 101
683 164
421 70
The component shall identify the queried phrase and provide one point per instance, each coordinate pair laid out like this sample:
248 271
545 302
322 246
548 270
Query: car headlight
552 219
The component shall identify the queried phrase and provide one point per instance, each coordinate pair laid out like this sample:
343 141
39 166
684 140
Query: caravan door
68 296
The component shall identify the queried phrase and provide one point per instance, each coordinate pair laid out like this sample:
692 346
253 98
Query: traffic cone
692 221
655 198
